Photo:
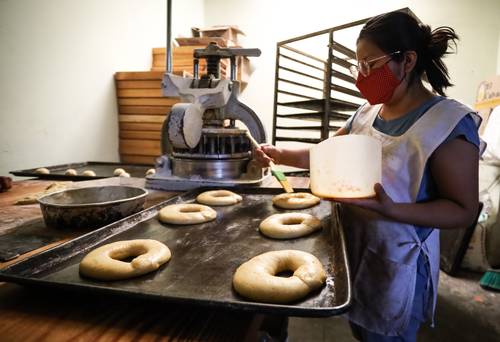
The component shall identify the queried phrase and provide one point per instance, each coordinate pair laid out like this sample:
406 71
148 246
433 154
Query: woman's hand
266 154
381 203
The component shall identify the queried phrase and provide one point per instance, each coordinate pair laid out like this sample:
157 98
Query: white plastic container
346 166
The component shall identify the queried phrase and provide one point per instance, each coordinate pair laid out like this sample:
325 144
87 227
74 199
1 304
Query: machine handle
246 52
225 52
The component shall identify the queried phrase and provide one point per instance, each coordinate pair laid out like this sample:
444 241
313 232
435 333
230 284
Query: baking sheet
204 257
27 237
102 170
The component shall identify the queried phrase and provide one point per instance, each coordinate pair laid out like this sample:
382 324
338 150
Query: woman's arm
286 156
454 167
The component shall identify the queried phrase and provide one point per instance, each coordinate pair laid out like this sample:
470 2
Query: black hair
400 31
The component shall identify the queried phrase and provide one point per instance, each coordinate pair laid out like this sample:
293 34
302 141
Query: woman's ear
410 60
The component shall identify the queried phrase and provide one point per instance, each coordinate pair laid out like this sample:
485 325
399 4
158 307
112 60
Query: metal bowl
91 207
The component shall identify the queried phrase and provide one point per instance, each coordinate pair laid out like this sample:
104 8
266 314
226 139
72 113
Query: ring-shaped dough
105 262
289 225
88 173
218 198
295 200
256 279
70 172
42 171
187 214
117 172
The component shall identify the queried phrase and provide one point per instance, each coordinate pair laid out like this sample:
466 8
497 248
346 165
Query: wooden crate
229 32
141 147
204 41
142 110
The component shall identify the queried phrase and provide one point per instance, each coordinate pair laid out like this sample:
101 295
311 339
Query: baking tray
102 170
204 257
29 236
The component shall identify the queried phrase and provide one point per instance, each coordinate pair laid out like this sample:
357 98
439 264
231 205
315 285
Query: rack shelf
313 84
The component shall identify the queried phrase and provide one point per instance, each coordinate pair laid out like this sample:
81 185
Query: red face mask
379 85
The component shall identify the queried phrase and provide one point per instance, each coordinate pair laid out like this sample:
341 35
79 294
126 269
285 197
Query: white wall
267 22
57 60
498 55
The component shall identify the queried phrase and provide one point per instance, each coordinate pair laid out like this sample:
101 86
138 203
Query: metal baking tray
102 170
204 257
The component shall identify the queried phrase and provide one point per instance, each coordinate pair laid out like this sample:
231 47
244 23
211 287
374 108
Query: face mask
379 85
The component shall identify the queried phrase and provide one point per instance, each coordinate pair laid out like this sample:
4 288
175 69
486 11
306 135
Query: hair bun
426 34
425 52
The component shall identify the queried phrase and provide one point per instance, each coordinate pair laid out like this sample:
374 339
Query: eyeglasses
364 66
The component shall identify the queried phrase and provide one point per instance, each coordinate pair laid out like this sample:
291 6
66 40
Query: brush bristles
491 280
280 176
288 188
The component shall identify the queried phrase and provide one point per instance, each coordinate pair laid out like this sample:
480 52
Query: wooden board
134 159
158 119
140 135
139 93
28 314
139 84
164 101
140 147
142 110
159 110
12 215
140 126
139 75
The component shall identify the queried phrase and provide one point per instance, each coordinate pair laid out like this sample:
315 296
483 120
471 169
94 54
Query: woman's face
367 51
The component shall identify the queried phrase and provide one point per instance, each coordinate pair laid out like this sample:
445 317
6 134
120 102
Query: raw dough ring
42 171
117 172
88 173
218 198
289 225
104 263
295 200
256 279
70 172
187 214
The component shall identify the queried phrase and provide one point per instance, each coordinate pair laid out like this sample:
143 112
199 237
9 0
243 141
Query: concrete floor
465 312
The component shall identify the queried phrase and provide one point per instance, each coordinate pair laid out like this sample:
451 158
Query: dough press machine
201 141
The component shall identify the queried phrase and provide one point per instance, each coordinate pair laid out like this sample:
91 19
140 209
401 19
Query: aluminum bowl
91 207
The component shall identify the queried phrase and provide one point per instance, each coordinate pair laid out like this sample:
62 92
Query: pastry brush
278 174
491 280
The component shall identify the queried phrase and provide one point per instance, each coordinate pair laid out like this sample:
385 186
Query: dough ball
88 173
42 171
70 172
118 171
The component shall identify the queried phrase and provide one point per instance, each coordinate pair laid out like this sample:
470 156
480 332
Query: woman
429 179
